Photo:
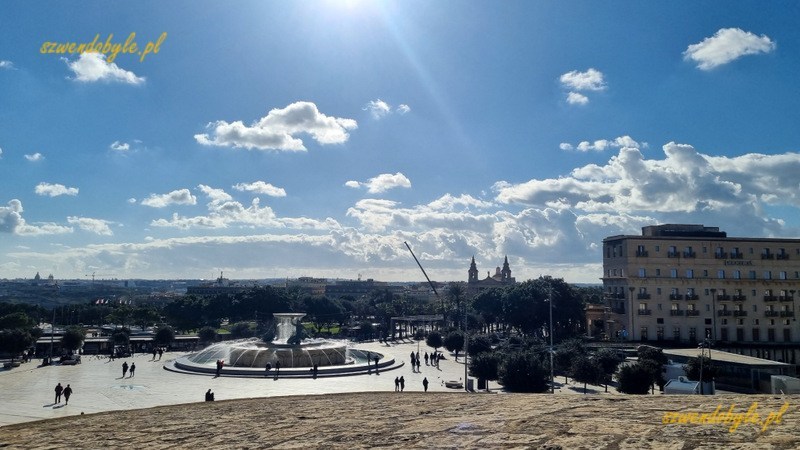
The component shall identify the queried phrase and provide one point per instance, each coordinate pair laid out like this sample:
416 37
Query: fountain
288 350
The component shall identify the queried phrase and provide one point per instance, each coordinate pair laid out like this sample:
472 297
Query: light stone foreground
26 392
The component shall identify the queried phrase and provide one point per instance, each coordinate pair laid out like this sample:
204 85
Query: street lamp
633 334
550 303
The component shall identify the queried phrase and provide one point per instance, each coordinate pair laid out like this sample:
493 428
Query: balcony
618 310
784 256
720 255
642 296
787 313
737 255
767 256
724 312
785 299
770 298
771 313
645 312
689 254
676 312
723 298
739 313
692 312
676 297
739 298
641 253
673 255
692 297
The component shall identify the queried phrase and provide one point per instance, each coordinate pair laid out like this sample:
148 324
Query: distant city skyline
314 138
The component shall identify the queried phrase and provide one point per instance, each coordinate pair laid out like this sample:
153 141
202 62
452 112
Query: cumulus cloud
603 144
1 153
11 221
574 98
120 146
278 130
590 80
5 64
54 190
381 183
261 187
93 67
378 108
727 44
34 157
403 109
224 211
177 197
97 226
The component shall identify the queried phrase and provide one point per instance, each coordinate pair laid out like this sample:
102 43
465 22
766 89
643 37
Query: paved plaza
27 392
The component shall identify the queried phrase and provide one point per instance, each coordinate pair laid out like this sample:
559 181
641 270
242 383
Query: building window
755 321
692 334
658 248
643 332
708 308
689 273
705 273
672 252
658 291
771 334
724 334
721 274
658 272
755 309
660 333
740 333
737 274
752 275
673 273
787 335
782 275
767 275
719 252
642 272
676 333
756 336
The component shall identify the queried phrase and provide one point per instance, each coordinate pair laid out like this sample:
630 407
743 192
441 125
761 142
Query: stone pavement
27 392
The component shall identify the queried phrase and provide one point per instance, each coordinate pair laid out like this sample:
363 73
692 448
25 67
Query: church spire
473 271
506 272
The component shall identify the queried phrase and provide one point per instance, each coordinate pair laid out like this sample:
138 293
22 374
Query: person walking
277 369
209 396
160 352
124 368
426 358
425 384
59 390
402 383
396 384
155 350
132 369
67 393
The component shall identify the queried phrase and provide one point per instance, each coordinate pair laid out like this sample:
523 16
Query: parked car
70 360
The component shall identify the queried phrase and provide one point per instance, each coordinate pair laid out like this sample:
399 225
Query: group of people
65 391
125 369
209 396
158 351
400 384
432 360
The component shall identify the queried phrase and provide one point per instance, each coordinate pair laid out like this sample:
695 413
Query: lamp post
633 334
550 303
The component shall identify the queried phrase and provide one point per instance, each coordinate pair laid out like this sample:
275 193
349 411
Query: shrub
634 379
522 372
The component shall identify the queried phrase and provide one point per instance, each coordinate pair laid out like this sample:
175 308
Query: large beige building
685 283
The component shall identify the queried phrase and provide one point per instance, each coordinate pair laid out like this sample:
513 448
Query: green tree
241 330
434 340
73 338
565 355
693 369
479 344
484 366
16 320
164 335
609 359
634 379
586 370
15 341
207 335
454 342
522 372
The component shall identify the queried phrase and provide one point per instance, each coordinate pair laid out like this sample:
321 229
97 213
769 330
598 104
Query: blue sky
312 138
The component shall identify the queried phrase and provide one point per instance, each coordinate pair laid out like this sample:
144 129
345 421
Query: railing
770 298
771 313
787 313
739 298
723 298
738 255
739 313
692 297
676 312
720 255
782 256
673 255
641 253
692 312
689 254
645 312
618 310
785 299
641 296
767 256
724 312
676 297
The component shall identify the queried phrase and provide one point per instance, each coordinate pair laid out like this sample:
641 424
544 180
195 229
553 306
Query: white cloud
1 153
132 200
403 109
378 108
97 226
603 144
382 183
5 64
278 130
574 98
177 197
34 157
261 187
92 67
54 190
120 146
591 80
726 45
11 221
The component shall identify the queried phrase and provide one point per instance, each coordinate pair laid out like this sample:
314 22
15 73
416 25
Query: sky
273 139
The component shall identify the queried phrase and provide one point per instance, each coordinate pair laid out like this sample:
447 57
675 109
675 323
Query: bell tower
473 272
506 272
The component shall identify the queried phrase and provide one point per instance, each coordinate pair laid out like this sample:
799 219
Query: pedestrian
402 383
124 368
155 350
133 368
376 364
277 369
220 363
396 384
209 396
416 358
417 364
112 354
426 358
67 393
160 352
267 368
59 390
413 361
425 384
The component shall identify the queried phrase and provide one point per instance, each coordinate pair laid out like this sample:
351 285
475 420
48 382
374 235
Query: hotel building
686 283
